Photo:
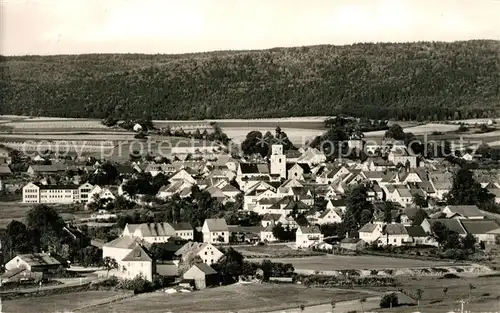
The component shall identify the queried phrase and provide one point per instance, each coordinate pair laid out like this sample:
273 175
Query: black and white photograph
249 156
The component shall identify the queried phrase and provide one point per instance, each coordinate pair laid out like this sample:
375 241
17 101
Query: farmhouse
307 236
138 262
215 231
42 263
202 275
208 253
463 212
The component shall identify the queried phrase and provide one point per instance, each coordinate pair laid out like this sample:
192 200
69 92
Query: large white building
57 194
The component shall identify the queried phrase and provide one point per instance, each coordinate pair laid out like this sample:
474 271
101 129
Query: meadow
67 302
358 262
238 297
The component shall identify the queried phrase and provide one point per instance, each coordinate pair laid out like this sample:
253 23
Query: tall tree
466 190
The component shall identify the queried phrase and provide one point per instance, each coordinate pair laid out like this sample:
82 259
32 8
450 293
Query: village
184 219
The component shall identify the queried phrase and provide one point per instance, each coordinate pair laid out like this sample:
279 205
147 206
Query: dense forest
408 81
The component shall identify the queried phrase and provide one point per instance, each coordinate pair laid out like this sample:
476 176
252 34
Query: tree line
407 81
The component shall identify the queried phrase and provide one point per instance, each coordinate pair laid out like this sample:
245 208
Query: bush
109 282
389 300
138 285
450 276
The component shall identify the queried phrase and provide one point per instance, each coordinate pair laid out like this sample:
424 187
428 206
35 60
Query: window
394 239
205 252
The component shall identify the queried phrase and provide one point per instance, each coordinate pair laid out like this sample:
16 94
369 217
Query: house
36 170
202 275
298 171
42 263
270 219
215 231
312 156
266 235
252 172
137 262
60 194
208 253
352 244
120 247
370 232
5 170
485 231
420 237
183 230
453 225
463 212
150 232
394 235
401 155
97 192
307 236
329 216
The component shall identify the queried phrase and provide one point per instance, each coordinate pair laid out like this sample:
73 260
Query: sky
180 26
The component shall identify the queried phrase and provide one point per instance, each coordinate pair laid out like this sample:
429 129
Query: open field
358 262
270 251
483 298
298 136
419 130
243 298
60 302
17 211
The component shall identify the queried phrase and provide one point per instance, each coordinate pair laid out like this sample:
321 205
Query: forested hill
424 80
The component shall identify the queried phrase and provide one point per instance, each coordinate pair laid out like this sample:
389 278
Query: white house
206 251
329 216
215 231
394 235
307 236
136 263
150 232
370 232
57 194
183 230
120 247
266 235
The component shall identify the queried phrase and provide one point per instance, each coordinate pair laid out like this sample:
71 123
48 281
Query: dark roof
452 224
368 228
395 229
39 259
181 226
52 187
205 268
416 231
138 254
5 170
477 227
305 167
465 210
254 168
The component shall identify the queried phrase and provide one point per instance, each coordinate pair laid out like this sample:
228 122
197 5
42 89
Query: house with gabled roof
137 263
248 172
307 236
207 252
215 230
202 276
150 232
120 247
330 176
298 171
463 212
485 231
34 262
394 234
453 225
312 156
370 232
266 234
328 216
217 194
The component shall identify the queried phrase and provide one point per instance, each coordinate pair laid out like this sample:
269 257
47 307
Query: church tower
278 161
